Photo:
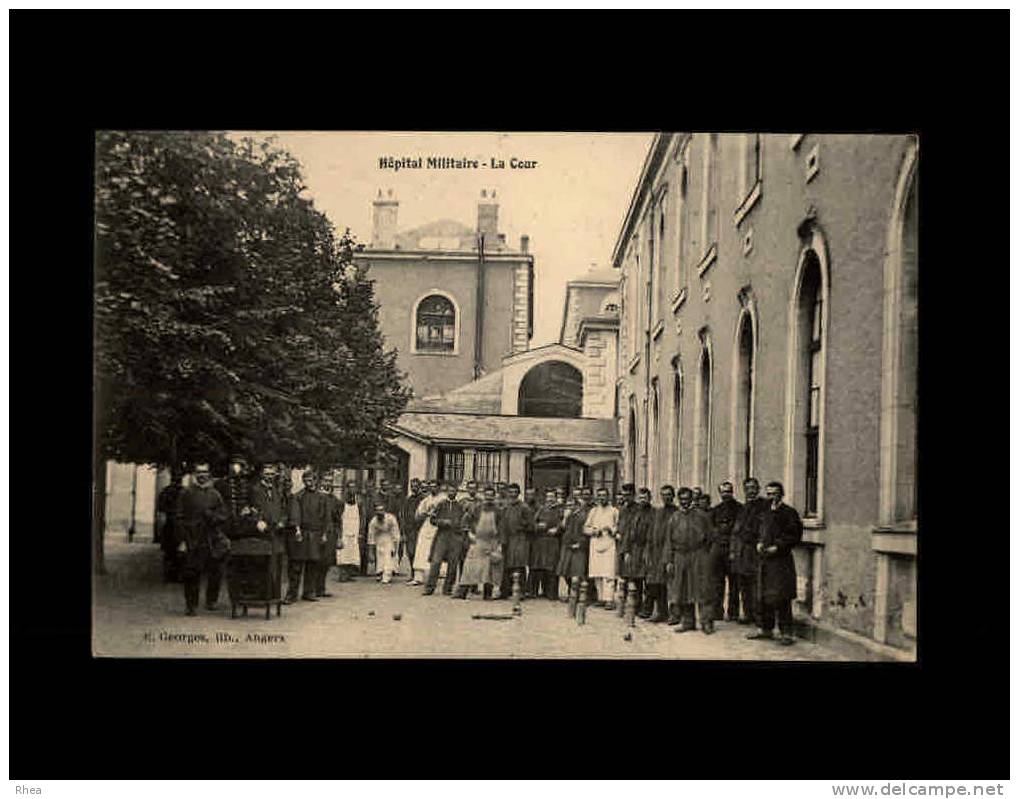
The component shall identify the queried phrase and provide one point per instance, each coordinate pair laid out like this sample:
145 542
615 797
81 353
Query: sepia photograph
549 395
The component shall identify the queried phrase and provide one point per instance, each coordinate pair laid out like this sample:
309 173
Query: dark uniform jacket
745 533
687 546
544 552
309 510
573 562
654 551
449 521
517 529
723 517
236 493
199 516
779 527
334 521
271 507
626 511
166 504
409 526
635 540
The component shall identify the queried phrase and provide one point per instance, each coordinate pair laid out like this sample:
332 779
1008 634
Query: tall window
631 442
436 325
709 194
487 466
652 278
742 418
812 325
654 453
681 222
451 466
677 421
658 248
905 461
750 171
702 435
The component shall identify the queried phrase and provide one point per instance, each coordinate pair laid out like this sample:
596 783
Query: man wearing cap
200 512
780 531
309 515
235 489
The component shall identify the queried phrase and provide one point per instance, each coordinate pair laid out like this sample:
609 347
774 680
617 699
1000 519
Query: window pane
810 500
815 407
815 368
815 322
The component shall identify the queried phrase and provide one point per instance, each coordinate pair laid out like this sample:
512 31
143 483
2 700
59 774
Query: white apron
426 535
350 555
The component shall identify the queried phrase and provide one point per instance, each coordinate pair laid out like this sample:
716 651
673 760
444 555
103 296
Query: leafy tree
227 315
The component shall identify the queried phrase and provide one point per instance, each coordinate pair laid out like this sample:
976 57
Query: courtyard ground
137 615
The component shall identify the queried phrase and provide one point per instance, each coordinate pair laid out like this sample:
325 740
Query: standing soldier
309 515
743 547
689 537
634 540
575 546
200 512
447 545
166 504
409 525
723 516
544 554
516 532
334 520
271 517
655 578
780 531
627 509
602 527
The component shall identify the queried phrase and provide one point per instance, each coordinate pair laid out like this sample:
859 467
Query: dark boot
487 591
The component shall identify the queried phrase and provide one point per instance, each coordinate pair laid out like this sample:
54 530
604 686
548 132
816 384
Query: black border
941 75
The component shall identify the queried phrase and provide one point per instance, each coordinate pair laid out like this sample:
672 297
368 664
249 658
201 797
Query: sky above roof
571 203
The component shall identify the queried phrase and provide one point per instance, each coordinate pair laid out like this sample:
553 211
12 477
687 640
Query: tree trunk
98 511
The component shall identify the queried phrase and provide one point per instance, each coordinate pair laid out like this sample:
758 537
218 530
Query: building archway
551 389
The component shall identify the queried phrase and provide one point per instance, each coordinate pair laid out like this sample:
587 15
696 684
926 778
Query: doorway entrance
557 472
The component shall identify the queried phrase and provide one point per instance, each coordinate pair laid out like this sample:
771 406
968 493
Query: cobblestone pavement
137 615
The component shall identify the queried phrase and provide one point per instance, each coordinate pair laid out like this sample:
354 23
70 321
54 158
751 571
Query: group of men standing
308 531
687 563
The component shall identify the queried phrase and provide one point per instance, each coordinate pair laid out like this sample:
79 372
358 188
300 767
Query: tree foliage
228 316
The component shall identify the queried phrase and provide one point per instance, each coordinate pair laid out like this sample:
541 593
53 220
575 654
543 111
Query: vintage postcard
506 395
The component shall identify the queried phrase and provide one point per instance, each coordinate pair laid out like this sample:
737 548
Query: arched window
899 363
709 199
805 390
741 449
677 421
551 389
654 453
435 325
631 446
702 431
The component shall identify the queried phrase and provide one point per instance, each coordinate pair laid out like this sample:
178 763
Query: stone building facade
768 327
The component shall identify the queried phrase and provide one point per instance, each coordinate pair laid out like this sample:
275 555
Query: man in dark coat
686 560
634 540
271 516
409 525
544 552
723 517
235 489
576 546
780 531
200 514
166 504
655 579
627 506
334 516
309 515
743 548
516 533
713 559
447 546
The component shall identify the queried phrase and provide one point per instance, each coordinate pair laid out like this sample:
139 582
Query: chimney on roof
525 243
384 221
488 216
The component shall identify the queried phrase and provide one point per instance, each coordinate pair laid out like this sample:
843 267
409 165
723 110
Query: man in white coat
426 535
349 557
384 530
602 527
